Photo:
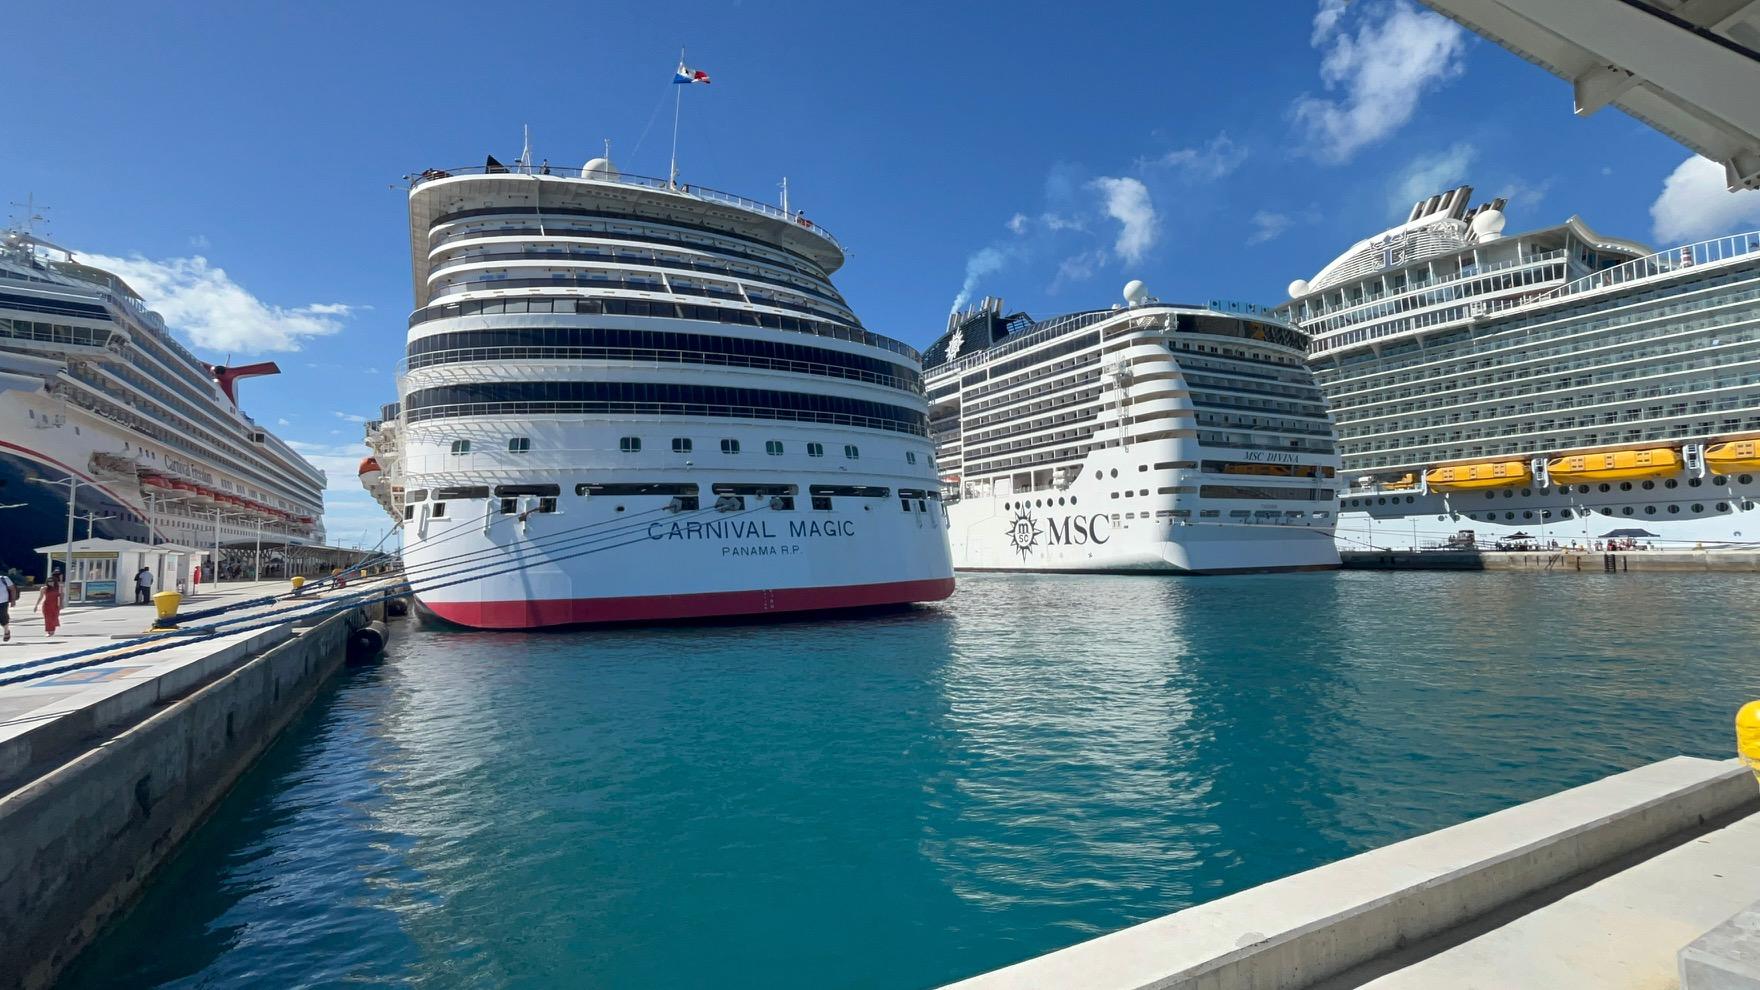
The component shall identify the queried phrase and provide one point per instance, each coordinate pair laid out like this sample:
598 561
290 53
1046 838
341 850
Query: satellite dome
1135 292
599 168
1298 288
1488 224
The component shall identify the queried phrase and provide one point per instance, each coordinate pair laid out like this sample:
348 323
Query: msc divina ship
641 400
1146 437
97 397
1557 385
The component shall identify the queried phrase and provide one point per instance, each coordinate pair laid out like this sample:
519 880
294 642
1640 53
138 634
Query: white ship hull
629 558
1684 516
1084 529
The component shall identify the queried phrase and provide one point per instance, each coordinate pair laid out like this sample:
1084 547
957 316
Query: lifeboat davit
1404 481
1735 455
370 472
1471 477
1615 465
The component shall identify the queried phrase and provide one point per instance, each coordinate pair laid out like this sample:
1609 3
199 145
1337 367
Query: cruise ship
95 391
1146 437
1556 386
631 399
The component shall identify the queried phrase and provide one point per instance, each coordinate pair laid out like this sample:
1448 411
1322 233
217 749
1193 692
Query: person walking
49 601
143 586
8 595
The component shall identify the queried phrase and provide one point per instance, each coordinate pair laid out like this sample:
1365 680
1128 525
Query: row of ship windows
678 288
1548 274
644 307
1362 457
1238 491
633 228
1520 334
684 496
644 257
1697 508
1541 435
1550 395
1714 350
685 445
1171 513
1384 425
1717 481
609 343
658 398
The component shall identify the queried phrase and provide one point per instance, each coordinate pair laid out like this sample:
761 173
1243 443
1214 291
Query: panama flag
689 75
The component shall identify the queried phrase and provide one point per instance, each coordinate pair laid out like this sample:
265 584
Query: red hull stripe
650 608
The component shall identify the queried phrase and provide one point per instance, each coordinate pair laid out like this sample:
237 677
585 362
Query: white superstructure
1147 437
1558 384
645 400
94 389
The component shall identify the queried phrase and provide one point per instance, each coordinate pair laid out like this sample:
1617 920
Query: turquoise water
902 800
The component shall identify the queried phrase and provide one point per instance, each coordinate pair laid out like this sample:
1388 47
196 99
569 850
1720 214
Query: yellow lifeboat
1735 455
1615 465
1404 481
1469 477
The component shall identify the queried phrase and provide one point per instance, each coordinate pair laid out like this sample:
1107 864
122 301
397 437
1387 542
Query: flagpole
677 101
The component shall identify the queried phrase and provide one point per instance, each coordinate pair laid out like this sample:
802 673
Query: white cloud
217 313
1525 195
199 242
1269 226
1077 268
283 421
1427 175
1127 201
1379 73
983 262
1216 158
350 417
1018 223
1695 204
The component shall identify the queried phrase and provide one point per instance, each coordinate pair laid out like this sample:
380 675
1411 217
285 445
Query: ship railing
1466 274
648 357
589 407
1671 261
795 217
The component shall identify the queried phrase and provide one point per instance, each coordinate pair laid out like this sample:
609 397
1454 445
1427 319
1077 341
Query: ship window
1723 506
519 445
822 503
1695 482
728 488
409 512
1143 491
416 495
851 452
1527 513
1698 507
439 510
463 491
1072 500
1509 515
815 450
1671 483
1674 508
1625 486
1168 465
1746 479
1114 494
1606 487
547 504
636 488
514 491
1115 472
1526 492
773 446
509 506
1142 467
729 446
461 446
1209 513
1720 479
681 445
630 445
1648 485
910 457
1627 510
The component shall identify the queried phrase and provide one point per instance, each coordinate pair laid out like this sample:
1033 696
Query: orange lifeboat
1733 455
1472 477
1615 465
371 472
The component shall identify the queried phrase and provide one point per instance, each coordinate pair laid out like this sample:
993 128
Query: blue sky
242 162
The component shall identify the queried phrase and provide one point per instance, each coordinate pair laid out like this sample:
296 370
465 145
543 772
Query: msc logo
1024 533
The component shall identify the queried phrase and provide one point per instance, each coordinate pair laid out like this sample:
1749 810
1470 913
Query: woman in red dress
49 600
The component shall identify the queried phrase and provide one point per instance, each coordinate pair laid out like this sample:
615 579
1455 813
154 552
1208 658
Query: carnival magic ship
97 397
1559 384
1146 437
649 402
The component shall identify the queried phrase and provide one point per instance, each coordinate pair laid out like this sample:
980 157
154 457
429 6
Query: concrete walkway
40 718
1621 933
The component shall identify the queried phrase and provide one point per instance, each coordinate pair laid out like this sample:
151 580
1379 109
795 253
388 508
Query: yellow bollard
299 582
1748 735
166 602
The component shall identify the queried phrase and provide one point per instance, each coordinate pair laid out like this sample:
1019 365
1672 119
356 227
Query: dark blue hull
42 519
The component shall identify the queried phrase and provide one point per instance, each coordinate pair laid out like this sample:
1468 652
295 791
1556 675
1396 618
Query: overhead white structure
1689 68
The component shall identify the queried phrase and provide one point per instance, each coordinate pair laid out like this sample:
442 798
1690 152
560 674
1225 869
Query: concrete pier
104 770
1556 561
1599 886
